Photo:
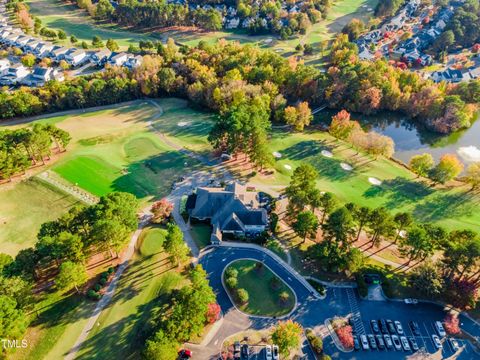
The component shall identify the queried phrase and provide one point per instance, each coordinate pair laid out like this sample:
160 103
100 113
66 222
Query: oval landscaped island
256 290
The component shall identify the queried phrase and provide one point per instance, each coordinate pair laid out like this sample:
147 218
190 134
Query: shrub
316 342
284 297
362 285
232 282
452 324
97 287
213 313
242 295
275 283
111 270
103 281
345 336
231 272
92 294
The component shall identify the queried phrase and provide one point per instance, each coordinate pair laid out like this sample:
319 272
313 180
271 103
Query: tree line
26 147
222 76
455 276
61 250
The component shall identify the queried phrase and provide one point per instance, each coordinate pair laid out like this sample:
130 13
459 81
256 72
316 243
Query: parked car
396 343
245 352
372 342
440 330
455 344
364 341
380 342
415 328
411 301
436 341
391 327
184 354
275 352
383 326
405 344
236 349
413 343
374 326
268 352
356 342
388 341
398 327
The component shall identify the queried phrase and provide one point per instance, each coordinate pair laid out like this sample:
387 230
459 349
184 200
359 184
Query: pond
411 138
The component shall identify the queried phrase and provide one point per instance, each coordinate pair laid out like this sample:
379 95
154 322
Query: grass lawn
24 206
454 208
264 300
201 234
57 328
57 14
121 325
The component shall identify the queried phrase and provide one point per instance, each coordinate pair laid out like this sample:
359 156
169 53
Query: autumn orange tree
447 169
287 335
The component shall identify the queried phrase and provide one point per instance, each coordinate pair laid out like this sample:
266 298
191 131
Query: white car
455 344
405 344
398 327
364 341
440 330
396 343
275 352
268 352
436 341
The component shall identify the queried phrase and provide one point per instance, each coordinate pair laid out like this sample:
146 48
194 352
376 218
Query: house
31 45
100 57
232 23
230 210
40 76
450 75
11 39
14 74
22 41
4 65
475 73
365 54
76 57
43 49
118 59
133 61
58 53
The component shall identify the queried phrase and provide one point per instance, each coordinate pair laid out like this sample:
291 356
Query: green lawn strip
201 234
263 299
56 14
60 321
24 207
121 326
454 208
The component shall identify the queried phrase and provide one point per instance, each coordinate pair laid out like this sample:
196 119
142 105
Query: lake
411 138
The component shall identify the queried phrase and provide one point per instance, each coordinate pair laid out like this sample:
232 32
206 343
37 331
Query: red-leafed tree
463 293
452 324
161 211
213 313
345 336
476 48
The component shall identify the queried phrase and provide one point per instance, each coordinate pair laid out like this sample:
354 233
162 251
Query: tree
13 322
84 45
213 312
302 187
306 225
421 164
71 275
5 260
381 224
444 41
353 29
339 228
161 347
287 335
447 168
341 126
18 289
402 220
175 246
328 203
73 39
97 42
452 324
161 211
242 295
61 35
112 45
28 60
362 217
417 245
427 280
104 10
473 175
299 116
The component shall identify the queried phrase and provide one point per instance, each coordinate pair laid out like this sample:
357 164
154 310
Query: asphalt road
312 312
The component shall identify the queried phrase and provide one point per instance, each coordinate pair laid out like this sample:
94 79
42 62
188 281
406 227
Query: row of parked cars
243 351
388 334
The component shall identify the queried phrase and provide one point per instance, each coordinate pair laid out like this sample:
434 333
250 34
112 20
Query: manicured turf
400 191
24 206
56 14
264 300
201 234
122 325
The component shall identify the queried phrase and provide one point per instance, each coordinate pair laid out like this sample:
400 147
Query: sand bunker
374 181
277 155
183 123
268 41
346 166
327 153
469 153
288 167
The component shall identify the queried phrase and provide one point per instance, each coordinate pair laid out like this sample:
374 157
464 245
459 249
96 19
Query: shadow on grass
447 206
399 192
